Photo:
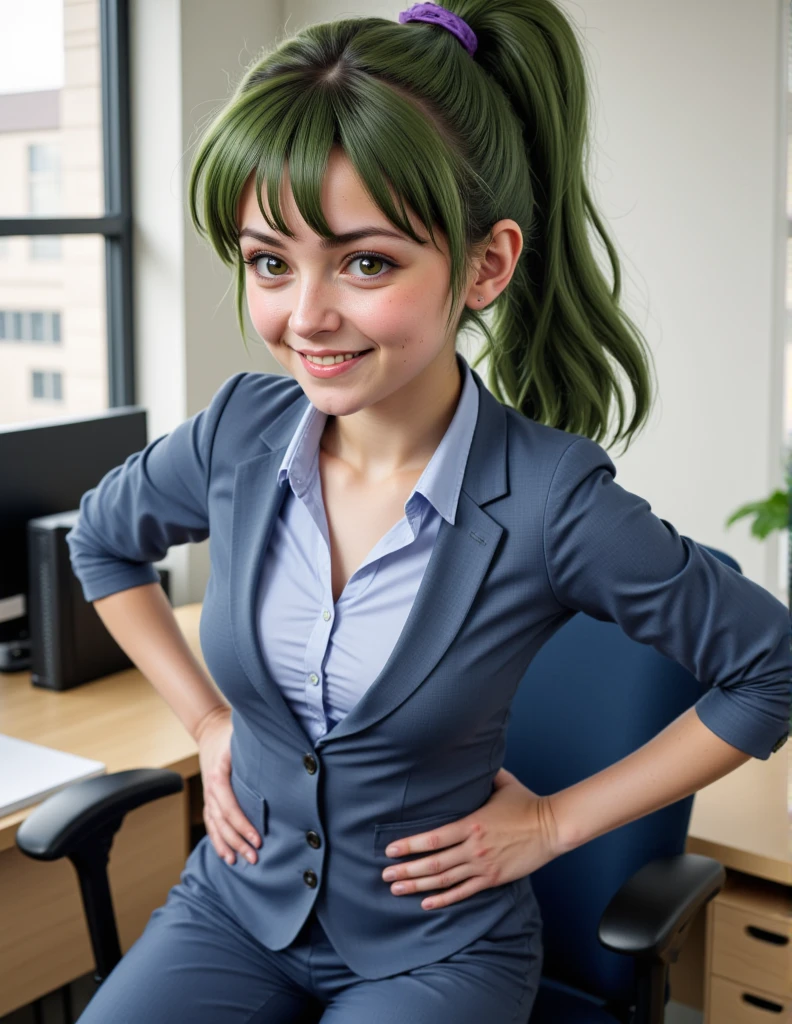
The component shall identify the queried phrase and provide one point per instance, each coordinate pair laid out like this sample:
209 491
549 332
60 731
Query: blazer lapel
459 561
255 507
457 566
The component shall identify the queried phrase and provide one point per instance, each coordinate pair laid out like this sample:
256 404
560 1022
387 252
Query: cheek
403 317
396 319
267 318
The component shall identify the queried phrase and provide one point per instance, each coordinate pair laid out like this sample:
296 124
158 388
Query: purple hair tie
434 14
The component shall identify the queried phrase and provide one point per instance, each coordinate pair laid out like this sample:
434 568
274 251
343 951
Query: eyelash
253 259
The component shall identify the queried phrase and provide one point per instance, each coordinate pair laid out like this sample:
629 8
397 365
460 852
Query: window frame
116 224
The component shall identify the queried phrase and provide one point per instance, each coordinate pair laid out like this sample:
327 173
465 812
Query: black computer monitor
45 467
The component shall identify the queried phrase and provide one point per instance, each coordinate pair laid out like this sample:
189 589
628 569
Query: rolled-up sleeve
156 499
611 557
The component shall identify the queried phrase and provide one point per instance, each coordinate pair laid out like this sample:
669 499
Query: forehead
344 200
342 194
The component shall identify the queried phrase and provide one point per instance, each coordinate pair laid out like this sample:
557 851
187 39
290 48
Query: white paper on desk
30 772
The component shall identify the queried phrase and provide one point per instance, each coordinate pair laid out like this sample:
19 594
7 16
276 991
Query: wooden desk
121 720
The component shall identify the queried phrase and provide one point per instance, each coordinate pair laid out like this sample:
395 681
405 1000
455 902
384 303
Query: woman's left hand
511 835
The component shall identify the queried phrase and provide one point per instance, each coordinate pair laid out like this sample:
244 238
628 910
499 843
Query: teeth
329 360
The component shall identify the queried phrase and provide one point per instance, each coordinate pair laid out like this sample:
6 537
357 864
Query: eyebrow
327 243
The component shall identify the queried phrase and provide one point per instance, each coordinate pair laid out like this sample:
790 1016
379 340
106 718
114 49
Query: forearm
141 621
680 760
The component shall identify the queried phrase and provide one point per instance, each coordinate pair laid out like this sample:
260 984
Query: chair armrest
67 820
650 914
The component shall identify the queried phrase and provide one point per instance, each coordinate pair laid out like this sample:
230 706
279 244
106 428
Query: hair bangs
397 153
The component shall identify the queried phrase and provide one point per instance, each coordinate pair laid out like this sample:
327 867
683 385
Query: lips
334 368
320 355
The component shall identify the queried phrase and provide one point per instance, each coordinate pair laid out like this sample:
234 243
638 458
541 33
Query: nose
315 308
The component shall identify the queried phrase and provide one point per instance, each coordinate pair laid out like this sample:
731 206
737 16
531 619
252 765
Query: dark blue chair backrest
590 697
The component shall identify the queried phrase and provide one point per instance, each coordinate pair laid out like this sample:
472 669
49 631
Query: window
44 195
65 206
30 325
47 384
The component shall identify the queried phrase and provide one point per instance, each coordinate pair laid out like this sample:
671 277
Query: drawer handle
763 1004
765 936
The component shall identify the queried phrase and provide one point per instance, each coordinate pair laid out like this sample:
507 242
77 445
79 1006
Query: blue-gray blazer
542 531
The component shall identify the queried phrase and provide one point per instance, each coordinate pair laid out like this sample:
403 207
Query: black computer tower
69 643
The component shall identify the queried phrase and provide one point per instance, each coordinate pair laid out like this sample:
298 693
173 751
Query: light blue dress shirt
324 657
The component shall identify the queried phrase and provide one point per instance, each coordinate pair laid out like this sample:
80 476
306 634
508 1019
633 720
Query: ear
497 265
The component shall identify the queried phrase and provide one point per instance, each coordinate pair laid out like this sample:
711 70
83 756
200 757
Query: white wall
690 165
689 161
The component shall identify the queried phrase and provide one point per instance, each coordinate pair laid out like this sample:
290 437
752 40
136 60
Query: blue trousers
195 963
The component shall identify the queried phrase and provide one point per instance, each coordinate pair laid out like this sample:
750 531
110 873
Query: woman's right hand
227 827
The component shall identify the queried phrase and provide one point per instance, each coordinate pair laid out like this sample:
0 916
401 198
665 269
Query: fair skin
386 417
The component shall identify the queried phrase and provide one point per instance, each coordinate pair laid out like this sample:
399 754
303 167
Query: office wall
688 169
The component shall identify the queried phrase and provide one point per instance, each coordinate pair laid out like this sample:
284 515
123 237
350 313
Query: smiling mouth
333 360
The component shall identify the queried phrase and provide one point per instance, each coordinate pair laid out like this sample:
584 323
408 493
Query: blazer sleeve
610 556
156 499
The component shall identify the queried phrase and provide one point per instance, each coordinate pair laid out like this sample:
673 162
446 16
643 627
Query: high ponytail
464 142
568 319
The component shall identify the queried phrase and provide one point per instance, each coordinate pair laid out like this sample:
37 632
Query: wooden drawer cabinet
749 953
731 1003
751 948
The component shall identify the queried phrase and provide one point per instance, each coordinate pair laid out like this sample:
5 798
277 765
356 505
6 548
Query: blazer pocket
253 806
387 832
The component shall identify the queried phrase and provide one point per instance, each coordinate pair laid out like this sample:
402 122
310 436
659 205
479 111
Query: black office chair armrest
80 822
649 918
66 820
650 914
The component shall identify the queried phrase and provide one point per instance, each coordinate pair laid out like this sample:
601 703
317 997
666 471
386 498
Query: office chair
615 911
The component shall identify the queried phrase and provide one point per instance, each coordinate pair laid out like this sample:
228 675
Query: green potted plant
774 513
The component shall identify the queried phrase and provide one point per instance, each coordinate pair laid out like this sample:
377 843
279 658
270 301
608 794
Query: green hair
464 142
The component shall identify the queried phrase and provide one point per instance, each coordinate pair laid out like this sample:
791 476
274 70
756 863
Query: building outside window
44 195
30 325
47 384
62 97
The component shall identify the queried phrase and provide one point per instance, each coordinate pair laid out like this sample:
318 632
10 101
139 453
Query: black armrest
650 914
80 822
65 821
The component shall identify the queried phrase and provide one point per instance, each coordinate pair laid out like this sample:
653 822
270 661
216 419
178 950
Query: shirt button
314 678
325 615
309 877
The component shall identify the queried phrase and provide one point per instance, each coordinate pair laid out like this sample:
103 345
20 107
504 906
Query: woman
391 543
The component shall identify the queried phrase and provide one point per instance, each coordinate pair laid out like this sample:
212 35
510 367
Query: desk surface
742 820
120 720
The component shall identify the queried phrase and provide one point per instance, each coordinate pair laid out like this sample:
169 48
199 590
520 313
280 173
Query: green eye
370 258
270 260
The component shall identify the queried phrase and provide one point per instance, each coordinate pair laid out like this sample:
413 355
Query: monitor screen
45 468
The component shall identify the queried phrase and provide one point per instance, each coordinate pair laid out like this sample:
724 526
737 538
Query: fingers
229 831
455 895
434 873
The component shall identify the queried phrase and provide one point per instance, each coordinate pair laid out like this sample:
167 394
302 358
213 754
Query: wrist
217 712
567 837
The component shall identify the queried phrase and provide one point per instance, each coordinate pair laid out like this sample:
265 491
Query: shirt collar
441 480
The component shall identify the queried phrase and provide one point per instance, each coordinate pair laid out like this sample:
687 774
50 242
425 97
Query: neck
401 433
